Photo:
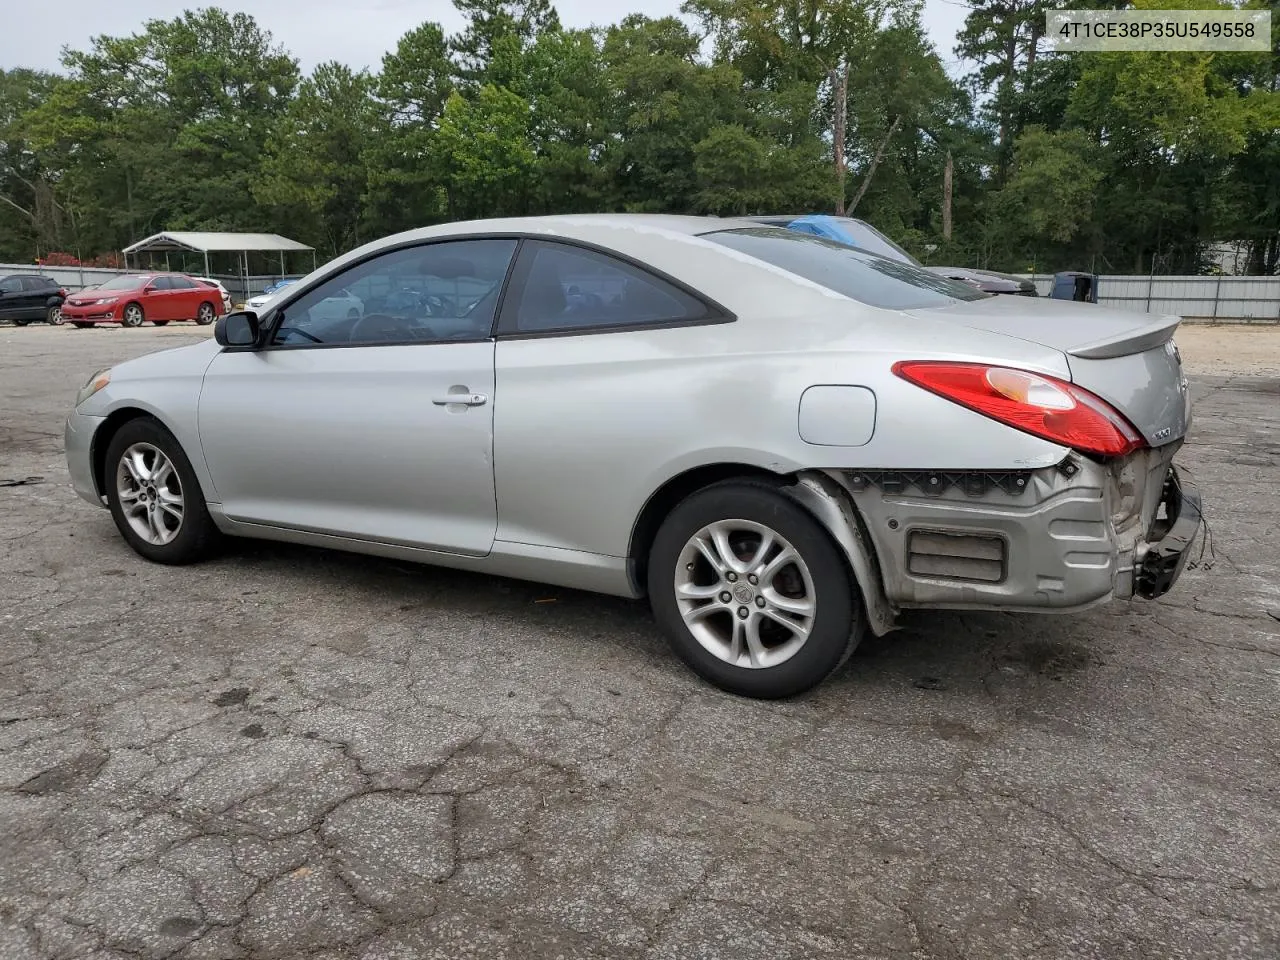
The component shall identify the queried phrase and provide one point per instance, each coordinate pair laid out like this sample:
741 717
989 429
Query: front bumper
92 313
1060 538
78 441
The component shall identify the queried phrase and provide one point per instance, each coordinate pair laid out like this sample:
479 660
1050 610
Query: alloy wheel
745 593
150 493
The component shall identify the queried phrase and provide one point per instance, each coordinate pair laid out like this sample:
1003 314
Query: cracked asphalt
296 753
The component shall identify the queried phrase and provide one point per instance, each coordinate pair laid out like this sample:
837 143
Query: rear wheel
55 316
133 316
752 592
154 496
205 315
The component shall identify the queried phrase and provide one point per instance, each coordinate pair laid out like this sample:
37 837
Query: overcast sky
356 32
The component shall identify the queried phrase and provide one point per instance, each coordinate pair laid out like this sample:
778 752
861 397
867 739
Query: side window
438 291
162 283
569 288
180 283
10 285
36 284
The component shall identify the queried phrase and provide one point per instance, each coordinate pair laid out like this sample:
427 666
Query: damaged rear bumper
1166 555
1060 538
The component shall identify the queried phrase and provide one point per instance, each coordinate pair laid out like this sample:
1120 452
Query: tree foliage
1060 161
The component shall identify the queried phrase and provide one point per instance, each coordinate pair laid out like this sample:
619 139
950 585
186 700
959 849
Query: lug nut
725 597
731 577
753 579
743 612
759 601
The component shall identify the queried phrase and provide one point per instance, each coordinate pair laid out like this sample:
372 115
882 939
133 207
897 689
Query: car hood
189 360
1126 357
87 297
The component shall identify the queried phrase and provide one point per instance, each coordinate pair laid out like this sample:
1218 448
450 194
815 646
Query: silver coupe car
782 442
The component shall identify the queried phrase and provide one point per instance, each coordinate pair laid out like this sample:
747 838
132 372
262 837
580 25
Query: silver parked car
780 440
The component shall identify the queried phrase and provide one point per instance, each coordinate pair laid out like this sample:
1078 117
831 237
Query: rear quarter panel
588 427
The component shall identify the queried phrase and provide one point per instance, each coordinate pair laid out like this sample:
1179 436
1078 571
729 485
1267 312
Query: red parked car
131 299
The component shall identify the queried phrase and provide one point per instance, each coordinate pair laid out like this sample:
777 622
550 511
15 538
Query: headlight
95 383
105 300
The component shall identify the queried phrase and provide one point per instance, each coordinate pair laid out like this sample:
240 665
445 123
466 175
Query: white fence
1196 299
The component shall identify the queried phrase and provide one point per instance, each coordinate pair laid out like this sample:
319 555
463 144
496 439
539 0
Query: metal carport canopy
207 243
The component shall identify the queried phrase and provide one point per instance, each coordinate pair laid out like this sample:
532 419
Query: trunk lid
1125 357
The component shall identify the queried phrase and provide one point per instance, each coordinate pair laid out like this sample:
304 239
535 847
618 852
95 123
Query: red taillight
1041 405
62 292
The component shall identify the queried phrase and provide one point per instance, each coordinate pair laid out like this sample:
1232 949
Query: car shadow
933 651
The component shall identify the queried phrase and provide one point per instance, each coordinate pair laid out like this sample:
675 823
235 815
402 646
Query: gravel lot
294 753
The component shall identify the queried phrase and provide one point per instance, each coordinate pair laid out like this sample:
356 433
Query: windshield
125 283
857 274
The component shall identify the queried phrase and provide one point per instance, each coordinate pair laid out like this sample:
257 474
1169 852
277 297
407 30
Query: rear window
858 274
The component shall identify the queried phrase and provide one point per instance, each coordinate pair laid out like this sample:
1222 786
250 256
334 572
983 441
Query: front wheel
55 316
154 495
133 316
752 592
205 315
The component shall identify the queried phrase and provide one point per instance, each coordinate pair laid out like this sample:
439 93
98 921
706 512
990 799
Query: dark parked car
28 298
859 233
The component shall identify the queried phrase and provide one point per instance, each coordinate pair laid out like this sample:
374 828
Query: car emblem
743 593
1162 433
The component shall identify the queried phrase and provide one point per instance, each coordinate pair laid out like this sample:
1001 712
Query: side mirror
239 329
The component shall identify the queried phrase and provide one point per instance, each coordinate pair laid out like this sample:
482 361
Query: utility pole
840 88
946 199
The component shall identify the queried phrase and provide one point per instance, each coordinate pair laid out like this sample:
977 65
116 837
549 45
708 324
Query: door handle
469 399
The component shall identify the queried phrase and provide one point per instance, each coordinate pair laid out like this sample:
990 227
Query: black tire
839 620
21 323
159 323
54 316
81 324
205 314
196 536
132 316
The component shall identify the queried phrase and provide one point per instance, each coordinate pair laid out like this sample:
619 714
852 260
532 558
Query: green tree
314 175
483 154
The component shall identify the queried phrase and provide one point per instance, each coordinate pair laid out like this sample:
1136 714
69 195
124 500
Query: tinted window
10 285
180 283
857 274
569 288
36 283
441 291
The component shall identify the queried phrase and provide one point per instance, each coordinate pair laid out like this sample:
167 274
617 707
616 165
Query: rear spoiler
1137 340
